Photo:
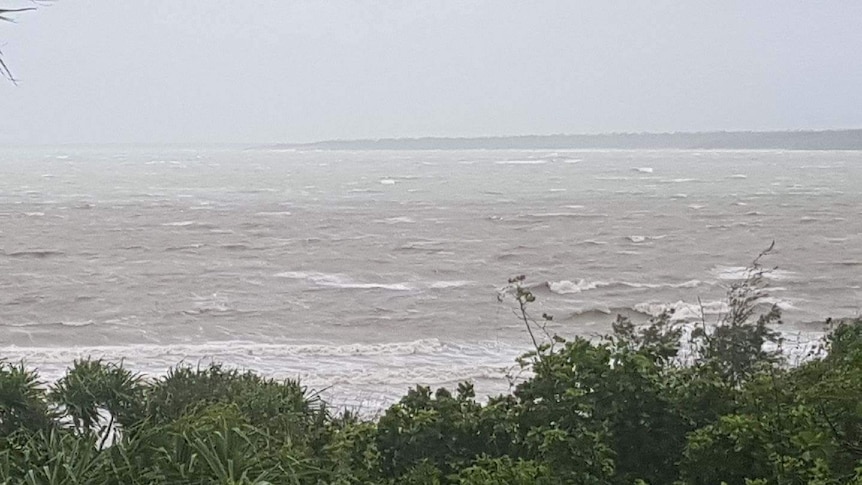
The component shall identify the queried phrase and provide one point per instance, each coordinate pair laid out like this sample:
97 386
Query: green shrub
23 403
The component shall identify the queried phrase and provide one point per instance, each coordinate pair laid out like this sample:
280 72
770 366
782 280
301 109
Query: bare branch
5 16
5 11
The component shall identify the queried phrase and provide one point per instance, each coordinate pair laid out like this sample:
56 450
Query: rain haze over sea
366 272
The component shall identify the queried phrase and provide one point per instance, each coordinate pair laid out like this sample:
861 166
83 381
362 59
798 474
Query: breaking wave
731 273
372 374
326 280
566 287
338 281
641 239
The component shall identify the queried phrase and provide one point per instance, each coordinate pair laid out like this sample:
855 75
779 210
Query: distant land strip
713 140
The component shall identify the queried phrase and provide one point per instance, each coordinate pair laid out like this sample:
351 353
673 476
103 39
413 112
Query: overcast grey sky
301 70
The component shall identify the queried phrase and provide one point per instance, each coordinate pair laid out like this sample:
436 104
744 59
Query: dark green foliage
284 408
51 457
493 471
22 400
788 425
217 445
735 346
351 456
186 387
440 429
91 388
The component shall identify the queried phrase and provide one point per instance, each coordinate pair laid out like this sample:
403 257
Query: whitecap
338 281
387 182
368 286
731 273
738 176
566 287
399 220
441 285
294 275
593 242
683 311
640 239
782 304
184 247
272 214
684 284
77 323
180 223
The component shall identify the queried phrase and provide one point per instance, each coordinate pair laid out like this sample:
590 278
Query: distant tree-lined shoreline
850 139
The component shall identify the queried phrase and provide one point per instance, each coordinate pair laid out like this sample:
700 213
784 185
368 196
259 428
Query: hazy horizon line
495 137
598 133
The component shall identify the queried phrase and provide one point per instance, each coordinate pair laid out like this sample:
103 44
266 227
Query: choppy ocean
365 272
